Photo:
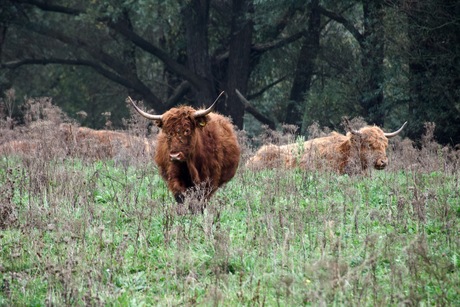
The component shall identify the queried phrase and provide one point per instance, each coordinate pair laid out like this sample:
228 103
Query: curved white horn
145 114
348 126
392 134
201 113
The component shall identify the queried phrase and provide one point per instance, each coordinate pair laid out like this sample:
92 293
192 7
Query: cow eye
187 131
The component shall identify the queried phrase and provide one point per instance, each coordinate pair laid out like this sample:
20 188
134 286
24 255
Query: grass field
109 233
89 231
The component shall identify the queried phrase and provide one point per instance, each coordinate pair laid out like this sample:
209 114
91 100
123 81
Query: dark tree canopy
434 67
293 62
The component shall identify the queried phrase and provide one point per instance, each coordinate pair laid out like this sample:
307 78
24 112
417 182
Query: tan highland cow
350 153
71 140
102 144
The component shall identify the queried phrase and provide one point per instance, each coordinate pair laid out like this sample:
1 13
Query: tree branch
118 66
126 82
106 73
52 7
267 87
91 49
345 22
129 35
160 54
178 93
254 112
259 49
287 17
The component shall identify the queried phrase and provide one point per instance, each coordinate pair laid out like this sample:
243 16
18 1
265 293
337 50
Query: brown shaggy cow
349 153
102 144
71 140
194 147
19 147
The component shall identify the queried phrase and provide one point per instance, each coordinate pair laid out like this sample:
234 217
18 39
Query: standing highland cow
351 153
194 148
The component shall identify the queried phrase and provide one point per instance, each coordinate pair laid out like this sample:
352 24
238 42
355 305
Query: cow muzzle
177 156
381 163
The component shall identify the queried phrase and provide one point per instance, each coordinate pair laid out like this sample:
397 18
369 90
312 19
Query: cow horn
348 127
392 134
145 114
201 113
355 132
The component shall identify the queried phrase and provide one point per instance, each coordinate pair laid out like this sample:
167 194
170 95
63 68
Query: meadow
78 231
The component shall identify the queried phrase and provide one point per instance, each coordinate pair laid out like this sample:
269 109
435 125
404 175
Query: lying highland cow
102 144
194 148
71 140
350 153
22 147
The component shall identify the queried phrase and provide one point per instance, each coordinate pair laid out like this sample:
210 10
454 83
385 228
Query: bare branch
259 49
345 22
266 88
117 78
254 112
127 33
178 93
160 54
90 48
106 73
45 6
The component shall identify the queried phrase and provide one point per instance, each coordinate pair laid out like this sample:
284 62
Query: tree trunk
196 17
2 38
238 62
372 62
434 69
305 68
416 72
129 58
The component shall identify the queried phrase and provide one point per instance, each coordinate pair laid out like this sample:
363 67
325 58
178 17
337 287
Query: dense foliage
297 62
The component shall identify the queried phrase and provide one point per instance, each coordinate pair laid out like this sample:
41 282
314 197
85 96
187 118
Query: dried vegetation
92 223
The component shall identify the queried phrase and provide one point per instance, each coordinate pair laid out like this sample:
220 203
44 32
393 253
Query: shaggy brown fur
350 153
19 147
100 144
81 141
194 151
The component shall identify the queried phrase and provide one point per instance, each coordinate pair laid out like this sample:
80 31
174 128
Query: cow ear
202 121
355 137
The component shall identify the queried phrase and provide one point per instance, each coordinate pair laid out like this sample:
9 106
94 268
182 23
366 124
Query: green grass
78 233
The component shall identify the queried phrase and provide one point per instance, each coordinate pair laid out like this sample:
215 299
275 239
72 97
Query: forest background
297 62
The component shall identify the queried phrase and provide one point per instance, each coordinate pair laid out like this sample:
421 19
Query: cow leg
178 180
194 175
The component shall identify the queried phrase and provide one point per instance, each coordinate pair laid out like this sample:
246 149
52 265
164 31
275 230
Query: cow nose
176 156
381 163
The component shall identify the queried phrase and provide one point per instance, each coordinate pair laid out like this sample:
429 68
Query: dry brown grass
88 231
48 133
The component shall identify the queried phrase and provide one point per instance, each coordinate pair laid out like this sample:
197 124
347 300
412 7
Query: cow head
179 126
371 144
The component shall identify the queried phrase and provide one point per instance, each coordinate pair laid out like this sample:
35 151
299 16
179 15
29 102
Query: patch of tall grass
110 233
76 229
